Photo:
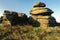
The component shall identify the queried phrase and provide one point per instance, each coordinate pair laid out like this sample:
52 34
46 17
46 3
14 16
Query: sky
24 6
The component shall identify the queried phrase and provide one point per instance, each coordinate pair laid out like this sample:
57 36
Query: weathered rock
41 11
42 20
15 18
22 18
5 21
39 4
42 15
1 20
52 21
33 22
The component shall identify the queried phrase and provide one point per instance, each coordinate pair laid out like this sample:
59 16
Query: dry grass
28 32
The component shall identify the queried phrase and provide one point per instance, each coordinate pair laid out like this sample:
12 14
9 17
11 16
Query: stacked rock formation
41 14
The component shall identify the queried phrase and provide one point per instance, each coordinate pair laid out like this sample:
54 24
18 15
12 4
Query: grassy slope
28 32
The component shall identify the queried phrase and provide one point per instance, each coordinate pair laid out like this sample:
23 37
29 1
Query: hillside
39 26
28 32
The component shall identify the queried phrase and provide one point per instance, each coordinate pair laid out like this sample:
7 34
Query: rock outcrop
0 20
17 26
14 18
40 4
41 14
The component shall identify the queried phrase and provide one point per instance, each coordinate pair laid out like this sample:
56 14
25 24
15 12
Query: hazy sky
25 5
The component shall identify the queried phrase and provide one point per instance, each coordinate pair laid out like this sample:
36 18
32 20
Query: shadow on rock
33 22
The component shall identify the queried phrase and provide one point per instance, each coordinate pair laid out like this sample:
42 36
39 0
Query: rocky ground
28 32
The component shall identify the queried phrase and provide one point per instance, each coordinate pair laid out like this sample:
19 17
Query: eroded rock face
42 20
39 8
41 11
32 21
41 14
39 4
15 18
52 21
1 19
